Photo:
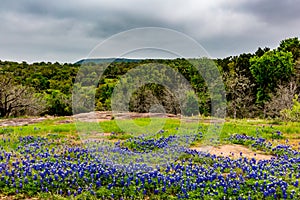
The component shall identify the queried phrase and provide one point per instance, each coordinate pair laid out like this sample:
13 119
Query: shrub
292 114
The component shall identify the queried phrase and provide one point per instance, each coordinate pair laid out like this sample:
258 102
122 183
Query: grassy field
41 160
72 131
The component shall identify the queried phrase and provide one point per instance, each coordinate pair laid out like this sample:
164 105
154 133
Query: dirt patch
108 115
22 121
66 121
233 151
98 116
143 115
93 116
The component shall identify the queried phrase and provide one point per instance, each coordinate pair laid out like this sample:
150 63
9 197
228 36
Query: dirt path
233 151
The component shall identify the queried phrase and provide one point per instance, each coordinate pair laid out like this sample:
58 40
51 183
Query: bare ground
108 115
22 121
98 116
233 151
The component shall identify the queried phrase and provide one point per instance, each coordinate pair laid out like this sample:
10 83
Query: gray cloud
66 31
276 12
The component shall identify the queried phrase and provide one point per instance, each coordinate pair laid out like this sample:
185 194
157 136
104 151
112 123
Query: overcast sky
67 30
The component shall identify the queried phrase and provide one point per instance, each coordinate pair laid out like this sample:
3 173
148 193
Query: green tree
191 106
268 70
83 98
58 103
259 52
291 45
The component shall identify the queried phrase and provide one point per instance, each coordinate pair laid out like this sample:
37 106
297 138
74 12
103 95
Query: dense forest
260 84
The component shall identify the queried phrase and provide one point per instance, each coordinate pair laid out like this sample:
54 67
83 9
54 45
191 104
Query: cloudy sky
67 30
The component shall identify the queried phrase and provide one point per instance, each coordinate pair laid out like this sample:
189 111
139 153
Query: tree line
260 84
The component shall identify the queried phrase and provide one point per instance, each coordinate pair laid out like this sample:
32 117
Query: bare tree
239 94
282 99
16 100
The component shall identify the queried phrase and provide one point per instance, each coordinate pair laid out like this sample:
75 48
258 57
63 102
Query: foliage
239 89
268 70
292 114
57 103
251 82
291 45
282 99
191 106
16 100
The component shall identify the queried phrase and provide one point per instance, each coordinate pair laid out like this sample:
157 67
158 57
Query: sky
67 30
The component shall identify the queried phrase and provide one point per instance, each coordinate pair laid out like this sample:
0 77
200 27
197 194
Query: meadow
60 159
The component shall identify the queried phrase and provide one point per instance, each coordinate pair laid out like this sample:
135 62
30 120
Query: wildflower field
50 160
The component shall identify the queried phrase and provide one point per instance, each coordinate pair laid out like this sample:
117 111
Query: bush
292 114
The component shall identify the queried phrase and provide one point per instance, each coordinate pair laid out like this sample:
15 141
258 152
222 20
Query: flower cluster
144 143
114 171
261 144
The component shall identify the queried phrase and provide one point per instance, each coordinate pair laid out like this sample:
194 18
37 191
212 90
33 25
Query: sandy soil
22 121
233 151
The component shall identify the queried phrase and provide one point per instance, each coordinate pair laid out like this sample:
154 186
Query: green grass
124 129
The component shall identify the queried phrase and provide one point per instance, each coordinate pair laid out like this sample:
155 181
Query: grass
124 129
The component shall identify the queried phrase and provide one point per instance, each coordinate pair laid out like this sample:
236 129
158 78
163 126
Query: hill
107 60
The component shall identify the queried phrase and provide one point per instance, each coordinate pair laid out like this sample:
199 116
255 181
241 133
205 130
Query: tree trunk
265 111
234 113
